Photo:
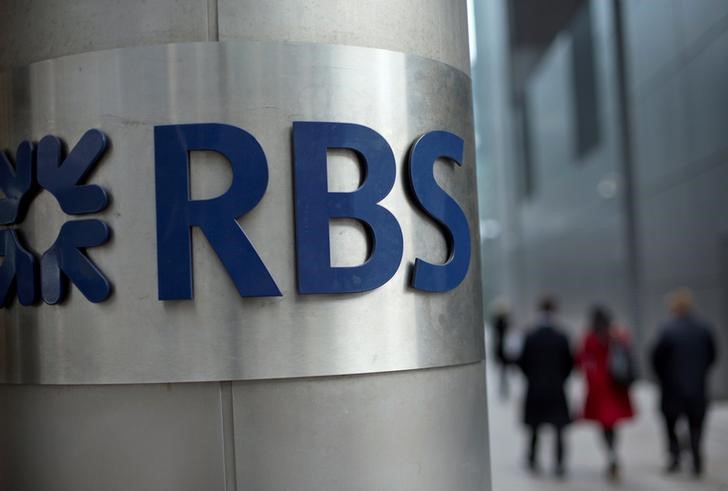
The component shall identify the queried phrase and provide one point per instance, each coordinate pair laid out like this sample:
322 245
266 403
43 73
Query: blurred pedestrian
606 361
501 324
684 352
546 361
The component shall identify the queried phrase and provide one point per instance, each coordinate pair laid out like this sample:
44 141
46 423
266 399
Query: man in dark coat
681 358
501 323
546 361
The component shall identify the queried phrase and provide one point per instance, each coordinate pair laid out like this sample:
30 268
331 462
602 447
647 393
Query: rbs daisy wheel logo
46 167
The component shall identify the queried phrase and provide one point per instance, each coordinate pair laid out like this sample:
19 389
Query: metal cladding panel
414 430
435 29
261 87
418 430
35 30
140 437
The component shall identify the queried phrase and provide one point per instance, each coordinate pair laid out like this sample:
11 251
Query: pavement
641 447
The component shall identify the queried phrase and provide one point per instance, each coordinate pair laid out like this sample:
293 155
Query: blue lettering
315 207
441 207
176 213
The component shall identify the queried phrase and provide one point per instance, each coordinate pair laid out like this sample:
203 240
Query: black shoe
698 469
532 466
613 473
560 471
673 467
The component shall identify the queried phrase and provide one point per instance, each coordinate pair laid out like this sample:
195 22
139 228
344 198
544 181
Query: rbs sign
176 213
314 206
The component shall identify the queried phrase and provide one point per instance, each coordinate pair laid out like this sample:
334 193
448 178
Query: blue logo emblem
46 167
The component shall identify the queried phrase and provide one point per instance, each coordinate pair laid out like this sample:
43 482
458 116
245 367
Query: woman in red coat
607 401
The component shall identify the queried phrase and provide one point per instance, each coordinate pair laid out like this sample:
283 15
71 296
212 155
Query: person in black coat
501 324
684 352
546 361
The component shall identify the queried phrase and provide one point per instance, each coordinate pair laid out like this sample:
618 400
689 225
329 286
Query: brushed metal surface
36 30
421 430
261 87
112 438
416 430
434 29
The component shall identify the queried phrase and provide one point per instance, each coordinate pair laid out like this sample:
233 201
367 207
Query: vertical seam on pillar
213 33
228 436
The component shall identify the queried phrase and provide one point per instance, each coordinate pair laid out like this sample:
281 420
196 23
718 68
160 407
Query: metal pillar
379 390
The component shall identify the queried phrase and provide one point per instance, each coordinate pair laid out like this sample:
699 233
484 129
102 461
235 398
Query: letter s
441 207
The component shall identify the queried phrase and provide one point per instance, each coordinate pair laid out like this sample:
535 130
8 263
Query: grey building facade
603 157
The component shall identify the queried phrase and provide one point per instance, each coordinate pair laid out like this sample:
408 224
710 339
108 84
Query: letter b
315 207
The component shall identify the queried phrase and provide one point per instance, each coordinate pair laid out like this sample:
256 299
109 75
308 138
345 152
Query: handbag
621 364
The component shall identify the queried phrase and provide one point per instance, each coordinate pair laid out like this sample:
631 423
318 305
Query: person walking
681 358
607 400
546 361
501 324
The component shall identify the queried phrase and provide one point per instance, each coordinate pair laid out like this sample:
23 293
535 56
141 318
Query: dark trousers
503 388
609 434
695 421
558 446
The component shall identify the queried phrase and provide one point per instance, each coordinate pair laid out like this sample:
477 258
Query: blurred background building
602 143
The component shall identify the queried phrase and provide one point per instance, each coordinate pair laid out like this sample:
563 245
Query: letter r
177 213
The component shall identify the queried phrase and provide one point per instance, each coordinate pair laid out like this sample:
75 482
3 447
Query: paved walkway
641 449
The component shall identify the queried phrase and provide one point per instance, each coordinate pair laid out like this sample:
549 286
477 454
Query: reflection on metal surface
262 88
